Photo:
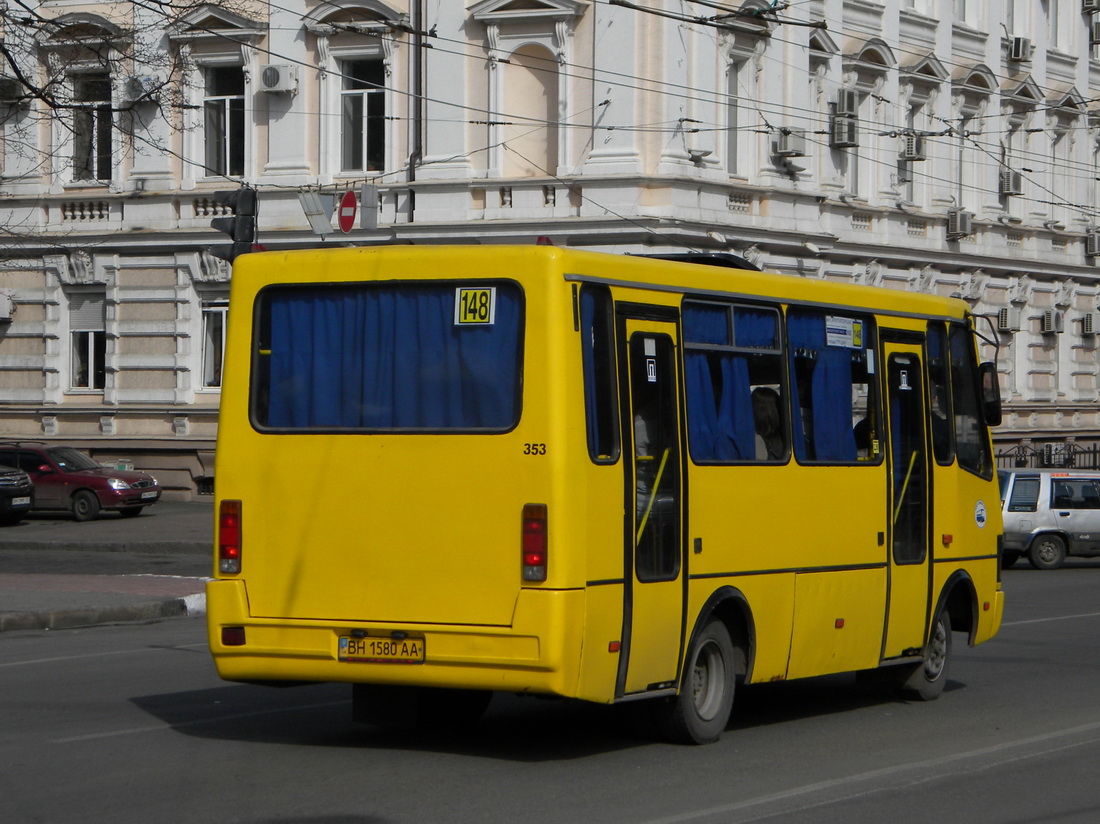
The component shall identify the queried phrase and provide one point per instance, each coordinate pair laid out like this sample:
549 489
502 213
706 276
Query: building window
733 119
362 116
223 111
213 343
92 127
89 342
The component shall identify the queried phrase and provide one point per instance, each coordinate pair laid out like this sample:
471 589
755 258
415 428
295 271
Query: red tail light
229 537
534 543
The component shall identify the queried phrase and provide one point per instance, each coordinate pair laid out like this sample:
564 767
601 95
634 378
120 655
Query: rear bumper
538 653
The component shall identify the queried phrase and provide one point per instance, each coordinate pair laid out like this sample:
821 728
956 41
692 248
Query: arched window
531 129
528 99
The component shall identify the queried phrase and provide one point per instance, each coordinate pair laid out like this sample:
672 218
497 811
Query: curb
146 547
189 605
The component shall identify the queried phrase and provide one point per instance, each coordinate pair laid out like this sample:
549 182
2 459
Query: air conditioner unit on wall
1019 49
1092 243
1090 6
960 224
11 91
913 147
279 78
7 308
1052 321
791 143
1008 319
847 103
1011 183
844 132
1090 323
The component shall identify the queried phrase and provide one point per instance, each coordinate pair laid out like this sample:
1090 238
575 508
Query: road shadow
514 728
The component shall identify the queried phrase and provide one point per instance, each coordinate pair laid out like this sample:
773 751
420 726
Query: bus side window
733 369
939 395
971 440
598 358
832 388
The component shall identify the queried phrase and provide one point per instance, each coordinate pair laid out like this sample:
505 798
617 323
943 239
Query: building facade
947 146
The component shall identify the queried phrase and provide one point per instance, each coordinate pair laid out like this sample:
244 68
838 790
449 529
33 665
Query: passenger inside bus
770 443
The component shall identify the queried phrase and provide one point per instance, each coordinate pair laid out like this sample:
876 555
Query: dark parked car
66 479
16 492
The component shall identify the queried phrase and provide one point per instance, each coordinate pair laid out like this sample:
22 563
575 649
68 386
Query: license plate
21 501
381 650
147 495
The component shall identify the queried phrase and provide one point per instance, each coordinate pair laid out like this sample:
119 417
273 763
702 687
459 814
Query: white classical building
948 146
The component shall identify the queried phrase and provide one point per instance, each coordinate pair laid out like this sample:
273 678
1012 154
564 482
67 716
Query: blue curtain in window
720 421
391 358
830 391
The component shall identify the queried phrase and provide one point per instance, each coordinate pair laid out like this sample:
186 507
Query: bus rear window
392 357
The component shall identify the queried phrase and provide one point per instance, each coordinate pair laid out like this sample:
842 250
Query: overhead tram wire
717 98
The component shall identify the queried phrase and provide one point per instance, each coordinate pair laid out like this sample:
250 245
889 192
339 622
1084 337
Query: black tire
1047 552
130 511
1009 558
926 682
700 712
85 506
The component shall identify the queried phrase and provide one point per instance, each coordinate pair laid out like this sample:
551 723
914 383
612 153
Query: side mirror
44 469
990 389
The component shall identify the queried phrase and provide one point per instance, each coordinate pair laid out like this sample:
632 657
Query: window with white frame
213 342
92 128
88 341
223 120
362 115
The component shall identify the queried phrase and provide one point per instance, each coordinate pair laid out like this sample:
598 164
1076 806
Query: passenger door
654 575
908 460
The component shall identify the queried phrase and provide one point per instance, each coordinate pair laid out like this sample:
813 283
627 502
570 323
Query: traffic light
241 227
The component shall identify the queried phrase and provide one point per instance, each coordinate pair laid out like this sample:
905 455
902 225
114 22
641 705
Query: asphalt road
131 724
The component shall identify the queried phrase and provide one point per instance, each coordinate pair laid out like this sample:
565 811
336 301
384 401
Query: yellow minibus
447 471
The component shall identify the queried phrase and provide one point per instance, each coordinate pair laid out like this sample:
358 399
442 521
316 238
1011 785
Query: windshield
70 460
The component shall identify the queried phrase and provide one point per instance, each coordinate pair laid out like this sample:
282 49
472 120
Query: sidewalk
56 573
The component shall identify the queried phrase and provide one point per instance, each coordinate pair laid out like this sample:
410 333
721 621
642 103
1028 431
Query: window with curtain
88 351
733 370
832 391
389 357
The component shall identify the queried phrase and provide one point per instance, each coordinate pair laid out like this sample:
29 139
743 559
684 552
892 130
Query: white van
1049 514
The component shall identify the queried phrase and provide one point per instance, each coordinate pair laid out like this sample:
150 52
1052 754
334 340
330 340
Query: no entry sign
346 217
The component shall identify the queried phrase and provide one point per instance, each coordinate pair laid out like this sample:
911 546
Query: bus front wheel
927 681
700 712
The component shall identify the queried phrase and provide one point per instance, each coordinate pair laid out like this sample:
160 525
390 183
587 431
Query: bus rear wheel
700 712
926 682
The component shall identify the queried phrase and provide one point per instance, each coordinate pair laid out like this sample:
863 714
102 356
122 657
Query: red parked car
67 479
